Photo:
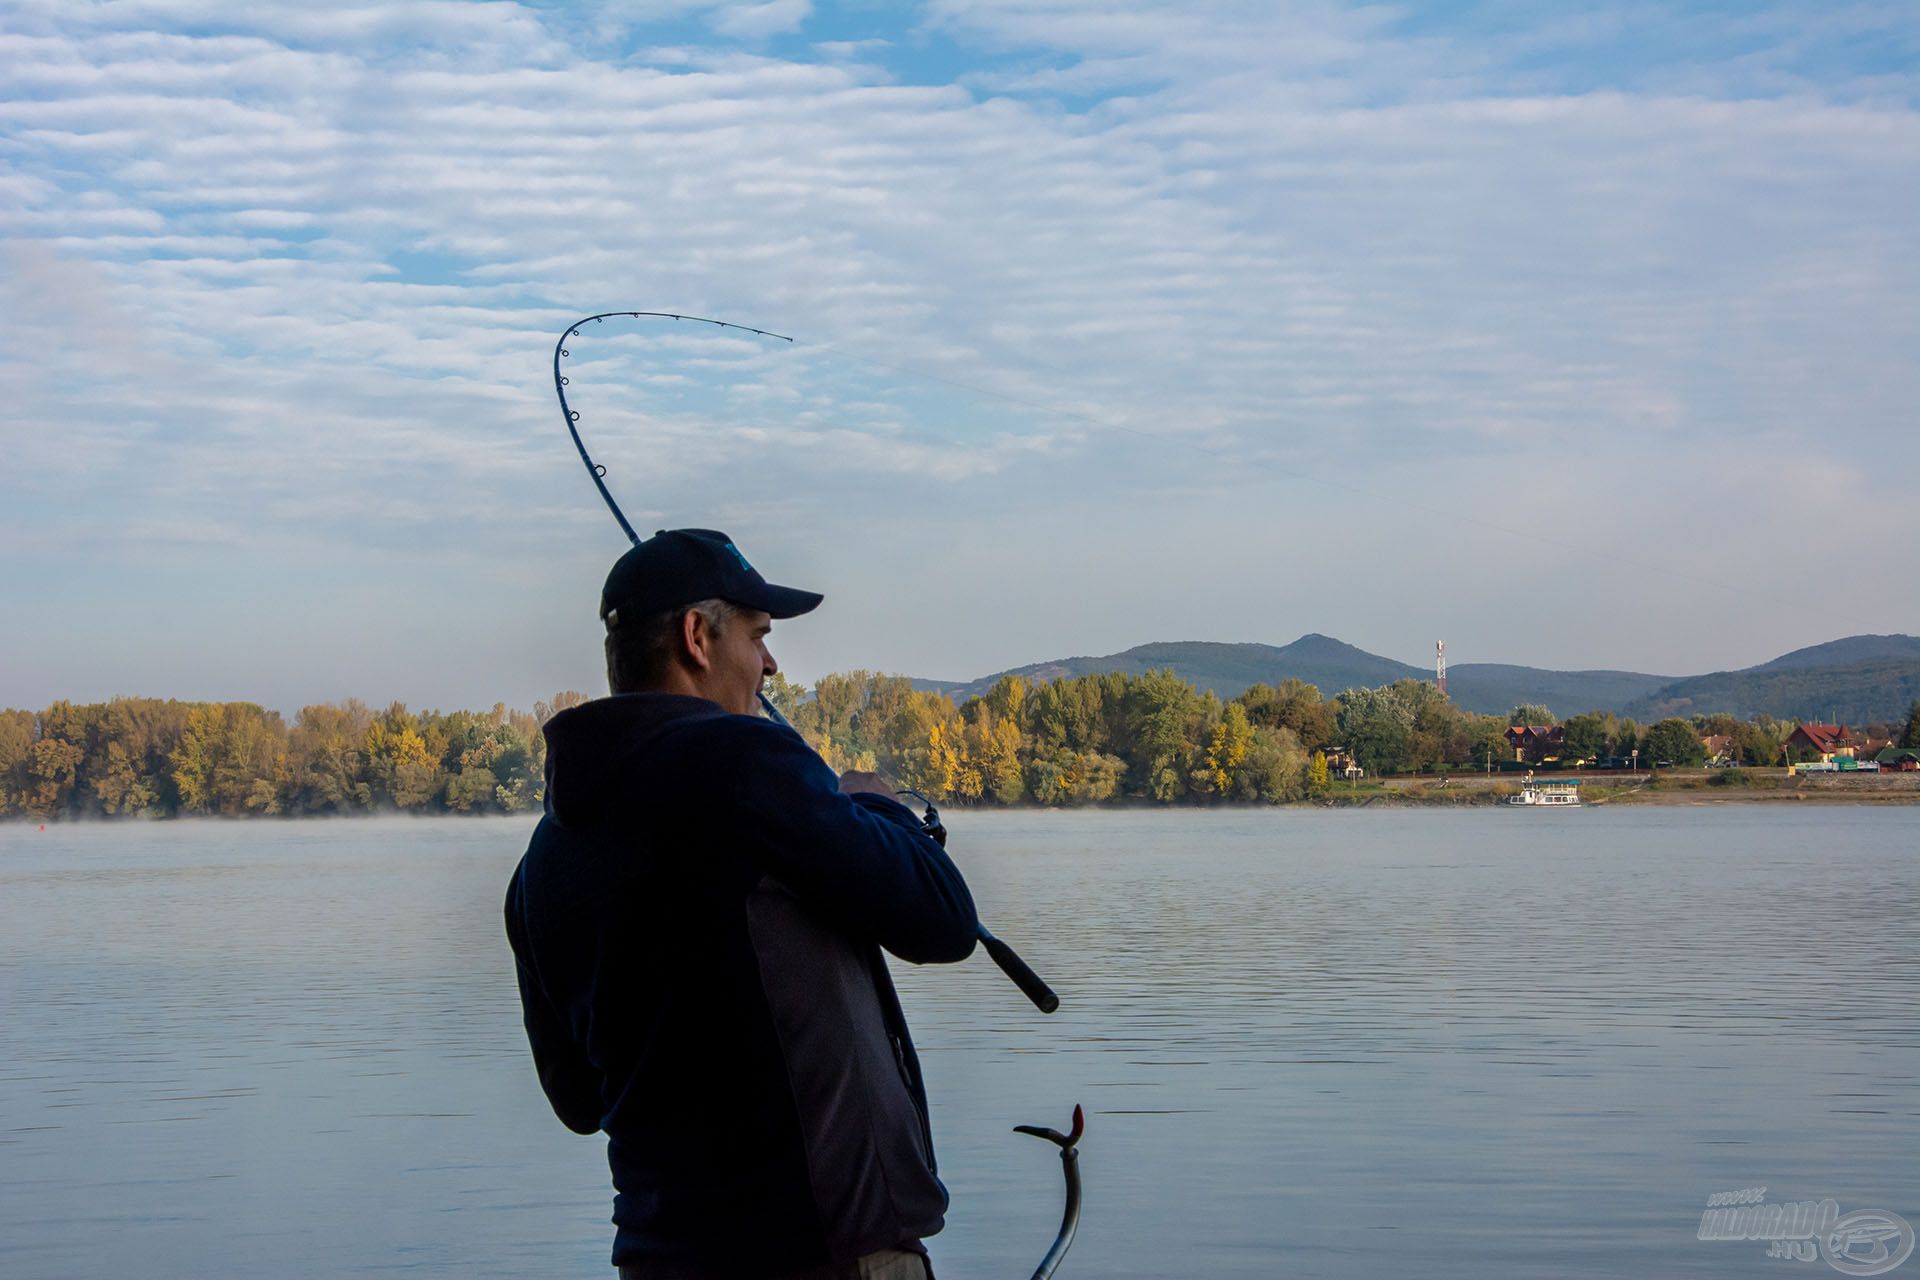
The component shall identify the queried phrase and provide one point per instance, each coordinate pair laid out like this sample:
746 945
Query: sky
1577 335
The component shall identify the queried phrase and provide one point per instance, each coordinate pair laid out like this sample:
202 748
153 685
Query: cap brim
780 602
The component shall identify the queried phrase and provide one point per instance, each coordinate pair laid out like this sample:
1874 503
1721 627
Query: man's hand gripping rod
1003 955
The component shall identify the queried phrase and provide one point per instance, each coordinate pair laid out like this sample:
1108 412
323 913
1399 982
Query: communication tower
1440 663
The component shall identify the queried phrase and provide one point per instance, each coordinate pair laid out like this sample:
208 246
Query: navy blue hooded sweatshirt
697 926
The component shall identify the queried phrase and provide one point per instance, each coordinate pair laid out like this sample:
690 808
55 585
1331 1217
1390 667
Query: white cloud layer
1116 324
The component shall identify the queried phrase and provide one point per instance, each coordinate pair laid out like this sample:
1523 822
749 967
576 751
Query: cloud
759 21
310 265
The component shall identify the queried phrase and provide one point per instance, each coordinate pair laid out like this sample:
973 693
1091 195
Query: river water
1372 1043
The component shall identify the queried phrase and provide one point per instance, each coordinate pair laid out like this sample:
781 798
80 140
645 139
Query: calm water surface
1386 1043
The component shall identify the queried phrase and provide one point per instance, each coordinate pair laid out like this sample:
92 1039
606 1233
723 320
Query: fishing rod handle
1003 955
1023 977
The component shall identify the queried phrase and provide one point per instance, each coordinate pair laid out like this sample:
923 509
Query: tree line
1156 738
1084 740
1148 738
165 758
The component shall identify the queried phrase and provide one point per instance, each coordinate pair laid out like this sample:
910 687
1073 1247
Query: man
697 926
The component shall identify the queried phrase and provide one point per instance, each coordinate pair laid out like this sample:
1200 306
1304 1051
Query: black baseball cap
684 566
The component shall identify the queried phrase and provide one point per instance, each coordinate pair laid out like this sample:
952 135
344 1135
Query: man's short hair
641 651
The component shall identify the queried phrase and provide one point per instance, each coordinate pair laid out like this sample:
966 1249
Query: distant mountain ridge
1846 652
1877 690
1859 679
1227 669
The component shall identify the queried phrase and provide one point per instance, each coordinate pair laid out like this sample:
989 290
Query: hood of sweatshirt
592 746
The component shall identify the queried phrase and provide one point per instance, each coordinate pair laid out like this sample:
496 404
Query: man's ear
696 639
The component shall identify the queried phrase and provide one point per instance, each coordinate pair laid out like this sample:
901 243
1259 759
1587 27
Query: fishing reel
930 820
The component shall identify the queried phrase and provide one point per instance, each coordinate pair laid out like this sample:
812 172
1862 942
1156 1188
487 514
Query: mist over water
1432 1043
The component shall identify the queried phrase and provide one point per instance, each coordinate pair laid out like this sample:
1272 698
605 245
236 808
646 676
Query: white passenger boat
1566 792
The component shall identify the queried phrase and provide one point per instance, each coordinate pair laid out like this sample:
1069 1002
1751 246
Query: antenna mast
1440 665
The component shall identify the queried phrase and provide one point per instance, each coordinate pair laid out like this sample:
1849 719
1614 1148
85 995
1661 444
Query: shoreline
1418 791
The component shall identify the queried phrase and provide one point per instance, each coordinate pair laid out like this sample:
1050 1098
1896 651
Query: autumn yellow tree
1227 748
945 765
404 770
227 759
16 741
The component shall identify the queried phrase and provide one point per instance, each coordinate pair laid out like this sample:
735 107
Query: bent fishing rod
1003 955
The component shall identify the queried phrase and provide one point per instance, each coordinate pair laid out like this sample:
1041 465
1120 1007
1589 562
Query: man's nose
768 666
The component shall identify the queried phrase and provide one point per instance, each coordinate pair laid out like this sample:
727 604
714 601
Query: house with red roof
1533 743
1827 741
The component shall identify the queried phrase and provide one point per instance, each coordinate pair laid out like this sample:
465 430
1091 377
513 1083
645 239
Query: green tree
1376 726
1530 713
1588 736
836 700
1275 768
1910 736
1070 714
1296 705
1486 738
786 696
1161 710
517 759
1753 745
1431 742
1673 741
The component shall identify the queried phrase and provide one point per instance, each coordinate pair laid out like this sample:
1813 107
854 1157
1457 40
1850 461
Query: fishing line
561 381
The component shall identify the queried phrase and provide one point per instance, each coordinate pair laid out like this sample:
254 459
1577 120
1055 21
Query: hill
1877 690
1227 669
1332 665
1493 688
1847 652
1859 679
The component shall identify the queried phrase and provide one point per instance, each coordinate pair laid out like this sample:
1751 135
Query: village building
1533 743
1341 764
1899 760
1827 742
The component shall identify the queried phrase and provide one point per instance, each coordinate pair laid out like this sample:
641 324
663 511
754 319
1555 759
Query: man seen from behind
697 927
